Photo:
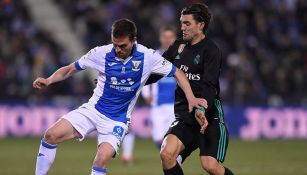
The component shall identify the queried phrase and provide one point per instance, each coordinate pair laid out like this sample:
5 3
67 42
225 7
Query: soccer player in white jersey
123 67
160 96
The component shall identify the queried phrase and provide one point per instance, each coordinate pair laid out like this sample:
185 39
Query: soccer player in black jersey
200 59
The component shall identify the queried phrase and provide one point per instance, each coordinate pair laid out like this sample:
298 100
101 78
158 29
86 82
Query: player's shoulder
211 49
104 48
145 50
209 44
100 50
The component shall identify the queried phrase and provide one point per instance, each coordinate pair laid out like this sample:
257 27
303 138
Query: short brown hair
200 12
171 28
124 27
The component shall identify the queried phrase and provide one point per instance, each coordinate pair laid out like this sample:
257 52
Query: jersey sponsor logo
114 81
136 65
190 76
121 85
130 81
177 57
184 68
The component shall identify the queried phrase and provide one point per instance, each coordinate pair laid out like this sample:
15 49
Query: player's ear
133 39
202 25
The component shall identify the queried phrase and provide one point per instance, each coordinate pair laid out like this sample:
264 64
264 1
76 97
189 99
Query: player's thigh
214 141
159 128
75 124
60 131
171 146
110 131
177 138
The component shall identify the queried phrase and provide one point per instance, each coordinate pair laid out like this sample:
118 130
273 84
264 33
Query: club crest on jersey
180 48
197 59
136 65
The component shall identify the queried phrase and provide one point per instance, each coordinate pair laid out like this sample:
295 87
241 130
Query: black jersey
201 63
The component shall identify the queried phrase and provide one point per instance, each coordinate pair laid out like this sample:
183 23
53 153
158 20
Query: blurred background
263 81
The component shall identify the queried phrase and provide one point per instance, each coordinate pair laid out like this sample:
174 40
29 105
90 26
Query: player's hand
202 120
197 103
40 83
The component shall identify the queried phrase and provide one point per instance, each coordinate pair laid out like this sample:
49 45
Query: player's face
190 28
167 38
123 46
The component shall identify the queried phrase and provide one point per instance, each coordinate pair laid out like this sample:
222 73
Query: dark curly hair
200 12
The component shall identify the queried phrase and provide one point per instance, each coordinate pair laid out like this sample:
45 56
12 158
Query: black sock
228 172
176 170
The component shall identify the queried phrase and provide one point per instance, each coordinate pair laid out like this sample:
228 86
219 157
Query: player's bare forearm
59 75
62 74
184 84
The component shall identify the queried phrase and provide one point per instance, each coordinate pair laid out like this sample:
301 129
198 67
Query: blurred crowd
27 52
264 44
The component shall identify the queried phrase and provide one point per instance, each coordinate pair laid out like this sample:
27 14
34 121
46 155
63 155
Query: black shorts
212 143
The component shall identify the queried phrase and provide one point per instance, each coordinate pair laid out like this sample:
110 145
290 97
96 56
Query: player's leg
59 132
103 156
213 167
178 138
170 149
213 147
72 125
159 127
128 145
110 136
187 151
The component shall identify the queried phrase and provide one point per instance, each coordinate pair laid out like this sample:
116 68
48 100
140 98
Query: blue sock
98 171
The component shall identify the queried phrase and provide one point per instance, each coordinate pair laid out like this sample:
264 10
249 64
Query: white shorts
161 117
86 120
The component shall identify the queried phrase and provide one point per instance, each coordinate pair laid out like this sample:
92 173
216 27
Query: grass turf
265 157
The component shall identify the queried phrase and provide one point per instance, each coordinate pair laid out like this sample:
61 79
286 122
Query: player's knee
210 165
51 137
167 156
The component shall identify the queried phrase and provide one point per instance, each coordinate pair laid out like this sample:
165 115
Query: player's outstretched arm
59 75
184 84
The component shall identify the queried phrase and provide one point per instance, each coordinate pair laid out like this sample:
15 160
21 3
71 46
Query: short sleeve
89 60
161 66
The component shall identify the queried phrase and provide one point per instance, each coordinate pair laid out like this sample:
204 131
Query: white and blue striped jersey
163 91
120 81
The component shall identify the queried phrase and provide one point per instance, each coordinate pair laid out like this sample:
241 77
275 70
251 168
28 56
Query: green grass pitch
265 157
